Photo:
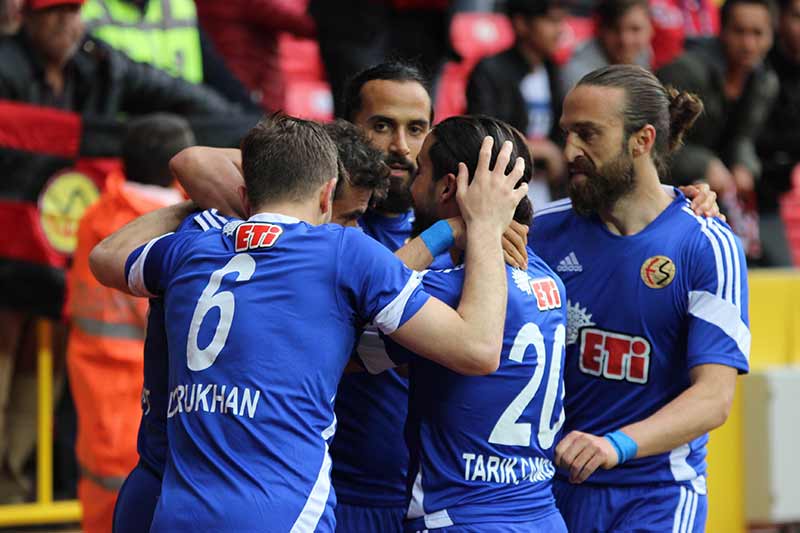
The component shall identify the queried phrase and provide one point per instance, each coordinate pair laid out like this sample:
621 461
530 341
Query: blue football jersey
482 447
643 310
152 439
370 459
261 319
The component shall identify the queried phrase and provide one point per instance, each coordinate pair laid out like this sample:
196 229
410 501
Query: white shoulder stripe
211 220
737 267
714 246
201 222
722 314
726 249
222 220
388 319
553 207
136 275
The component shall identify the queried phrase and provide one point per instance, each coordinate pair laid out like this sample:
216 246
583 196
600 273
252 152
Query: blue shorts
552 523
357 519
137 501
665 508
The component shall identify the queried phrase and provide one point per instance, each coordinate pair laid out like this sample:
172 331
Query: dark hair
531 8
608 12
459 139
150 142
727 8
285 158
399 71
647 101
363 163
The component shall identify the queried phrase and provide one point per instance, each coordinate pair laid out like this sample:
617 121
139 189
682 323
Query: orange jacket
104 355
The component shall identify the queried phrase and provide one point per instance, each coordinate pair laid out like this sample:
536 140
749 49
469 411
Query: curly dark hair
362 162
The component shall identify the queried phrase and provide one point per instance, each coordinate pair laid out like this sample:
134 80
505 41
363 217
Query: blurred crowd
96 96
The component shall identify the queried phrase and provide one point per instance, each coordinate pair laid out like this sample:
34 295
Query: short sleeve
147 268
378 287
719 328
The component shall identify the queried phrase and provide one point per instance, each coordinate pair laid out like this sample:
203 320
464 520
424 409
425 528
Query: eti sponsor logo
254 235
658 271
614 356
544 289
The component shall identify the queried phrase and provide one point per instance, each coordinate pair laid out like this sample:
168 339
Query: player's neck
306 212
637 209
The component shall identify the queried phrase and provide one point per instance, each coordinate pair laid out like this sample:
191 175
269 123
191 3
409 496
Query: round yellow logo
658 271
62 203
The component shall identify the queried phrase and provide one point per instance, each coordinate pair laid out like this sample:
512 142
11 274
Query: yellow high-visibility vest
165 35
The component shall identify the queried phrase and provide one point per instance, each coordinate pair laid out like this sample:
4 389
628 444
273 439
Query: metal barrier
44 510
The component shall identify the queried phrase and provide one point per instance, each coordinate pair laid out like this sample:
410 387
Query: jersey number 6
200 359
508 431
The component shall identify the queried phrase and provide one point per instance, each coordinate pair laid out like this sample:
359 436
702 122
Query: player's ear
447 188
641 142
245 200
326 197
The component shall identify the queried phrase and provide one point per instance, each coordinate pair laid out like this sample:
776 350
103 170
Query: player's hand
704 200
491 198
583 453
515 240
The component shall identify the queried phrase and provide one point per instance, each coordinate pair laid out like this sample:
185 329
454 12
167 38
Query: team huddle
457 362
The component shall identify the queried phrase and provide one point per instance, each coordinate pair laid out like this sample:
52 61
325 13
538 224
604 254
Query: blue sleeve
148 267
719 326
379 288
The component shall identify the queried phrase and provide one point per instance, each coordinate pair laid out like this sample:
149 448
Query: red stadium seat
790 212
300 59
577 30
309 99
451 97
476 35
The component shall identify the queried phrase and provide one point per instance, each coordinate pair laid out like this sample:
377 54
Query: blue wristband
438 238
625 446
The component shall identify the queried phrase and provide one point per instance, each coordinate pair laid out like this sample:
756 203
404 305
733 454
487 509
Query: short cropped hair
400 71
285 158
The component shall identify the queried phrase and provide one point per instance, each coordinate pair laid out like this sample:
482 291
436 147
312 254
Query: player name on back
510 470
213 398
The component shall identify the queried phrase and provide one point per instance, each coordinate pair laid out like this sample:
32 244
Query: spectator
623 37
738 91
246 34
106 341
779 145
10 16
521 85
49 62
164 34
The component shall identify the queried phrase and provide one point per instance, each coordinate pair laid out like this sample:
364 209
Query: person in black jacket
521 85
778 145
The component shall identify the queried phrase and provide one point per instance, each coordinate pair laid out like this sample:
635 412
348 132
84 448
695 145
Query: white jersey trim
318 498
686 511
372 352
722 314
136 275
273 217
554 207
388 319
415 508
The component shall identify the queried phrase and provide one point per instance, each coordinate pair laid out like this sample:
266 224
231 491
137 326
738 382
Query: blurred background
97 95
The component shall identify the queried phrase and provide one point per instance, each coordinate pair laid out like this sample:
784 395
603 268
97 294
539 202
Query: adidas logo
569 264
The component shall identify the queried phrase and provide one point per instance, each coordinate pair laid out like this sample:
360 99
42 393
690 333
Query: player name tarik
213 398
514 470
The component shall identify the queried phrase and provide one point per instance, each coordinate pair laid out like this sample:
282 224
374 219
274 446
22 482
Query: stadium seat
476 35
309 99
300 59
790 213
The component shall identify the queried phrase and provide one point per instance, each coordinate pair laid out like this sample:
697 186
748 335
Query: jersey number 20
508 431
200 359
